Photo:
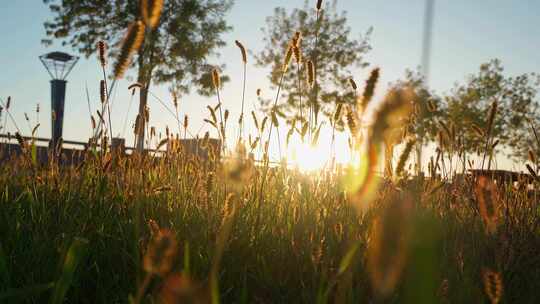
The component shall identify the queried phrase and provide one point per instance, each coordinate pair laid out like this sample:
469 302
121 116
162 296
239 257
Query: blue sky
465 34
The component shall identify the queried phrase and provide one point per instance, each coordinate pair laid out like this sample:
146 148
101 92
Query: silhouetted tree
325 41
428 110
469 104
174 51
428 107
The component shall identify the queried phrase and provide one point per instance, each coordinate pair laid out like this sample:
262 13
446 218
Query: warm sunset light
309 158
242 151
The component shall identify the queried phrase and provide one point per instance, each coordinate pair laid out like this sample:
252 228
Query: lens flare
309 158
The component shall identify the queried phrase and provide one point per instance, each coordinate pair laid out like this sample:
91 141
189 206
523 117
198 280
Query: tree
174 50
325 40
428 110
469 104
428 107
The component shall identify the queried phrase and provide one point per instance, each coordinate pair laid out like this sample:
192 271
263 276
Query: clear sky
465 34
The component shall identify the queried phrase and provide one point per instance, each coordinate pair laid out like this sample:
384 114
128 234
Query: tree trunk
143 99
145 78
418 147
388 156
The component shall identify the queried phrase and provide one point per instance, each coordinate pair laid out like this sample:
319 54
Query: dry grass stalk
388 246
151 12
337 113
161 252
242 51
288 56
102 91
274 118
297 38
310 73
479 131
175 99
369 90
212 113
132 42
216 80
445 128
154 227
102 53
135 85
393 113
404 156
353 84
352 122
488 200
255 121
297 54
532 157
20 140
493 285
491 117
531 171
432 107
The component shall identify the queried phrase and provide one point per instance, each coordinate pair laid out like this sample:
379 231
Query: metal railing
84 145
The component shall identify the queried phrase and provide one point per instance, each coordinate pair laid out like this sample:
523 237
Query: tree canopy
325 39
469 103
174 51
461 117
428 106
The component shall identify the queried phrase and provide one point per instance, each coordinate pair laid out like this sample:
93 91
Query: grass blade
21 293
347 259
4 272
74 256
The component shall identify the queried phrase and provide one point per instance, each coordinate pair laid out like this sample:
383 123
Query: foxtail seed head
102 91
151 11
493 285
297 54
242 50
310 73
216 81
160 254
102 53
353 84
288 57
370 87
132 42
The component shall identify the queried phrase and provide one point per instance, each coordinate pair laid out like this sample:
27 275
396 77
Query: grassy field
116 228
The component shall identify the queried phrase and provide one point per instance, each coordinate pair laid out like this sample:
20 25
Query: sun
309 158
328 151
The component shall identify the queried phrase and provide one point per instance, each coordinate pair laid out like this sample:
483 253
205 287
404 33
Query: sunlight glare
310 158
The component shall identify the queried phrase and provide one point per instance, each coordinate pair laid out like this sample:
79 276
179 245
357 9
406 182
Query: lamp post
426 56
58 65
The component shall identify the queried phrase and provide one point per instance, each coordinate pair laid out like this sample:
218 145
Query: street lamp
58 65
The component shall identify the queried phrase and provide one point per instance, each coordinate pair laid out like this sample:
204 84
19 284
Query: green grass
299 240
